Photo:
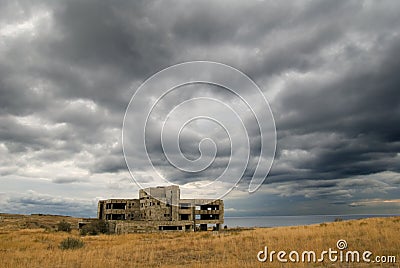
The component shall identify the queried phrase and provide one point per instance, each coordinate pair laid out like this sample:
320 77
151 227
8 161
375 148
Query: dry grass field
26 245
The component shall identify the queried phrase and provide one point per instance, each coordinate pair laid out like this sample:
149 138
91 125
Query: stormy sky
329 70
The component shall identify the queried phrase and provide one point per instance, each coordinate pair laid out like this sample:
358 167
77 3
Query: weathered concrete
161 209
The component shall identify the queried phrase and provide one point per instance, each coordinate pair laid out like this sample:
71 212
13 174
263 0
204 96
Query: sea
276 221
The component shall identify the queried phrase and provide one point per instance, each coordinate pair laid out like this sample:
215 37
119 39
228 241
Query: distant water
274 221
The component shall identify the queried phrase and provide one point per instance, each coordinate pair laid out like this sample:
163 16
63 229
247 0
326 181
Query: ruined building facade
160 208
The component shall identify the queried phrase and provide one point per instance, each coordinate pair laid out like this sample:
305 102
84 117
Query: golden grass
39 248
17 221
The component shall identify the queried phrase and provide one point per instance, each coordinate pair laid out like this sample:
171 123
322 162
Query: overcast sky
329 70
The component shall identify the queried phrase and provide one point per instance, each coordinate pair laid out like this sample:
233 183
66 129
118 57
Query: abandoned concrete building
160 209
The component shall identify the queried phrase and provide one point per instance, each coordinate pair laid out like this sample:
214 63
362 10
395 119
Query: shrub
338 219
71 243
89 229
95 227
64 226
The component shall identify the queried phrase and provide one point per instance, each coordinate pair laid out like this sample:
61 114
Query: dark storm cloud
349 127
329 69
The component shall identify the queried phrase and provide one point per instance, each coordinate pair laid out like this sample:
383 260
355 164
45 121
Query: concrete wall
119 209
161 206
152 226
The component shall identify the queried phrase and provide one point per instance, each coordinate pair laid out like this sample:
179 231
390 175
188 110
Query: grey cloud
109 163
329 67
62 180
34 202
357 116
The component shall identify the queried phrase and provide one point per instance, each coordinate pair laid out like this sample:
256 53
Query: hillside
22 244
34 221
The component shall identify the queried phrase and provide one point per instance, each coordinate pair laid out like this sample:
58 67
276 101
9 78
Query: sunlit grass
40 247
